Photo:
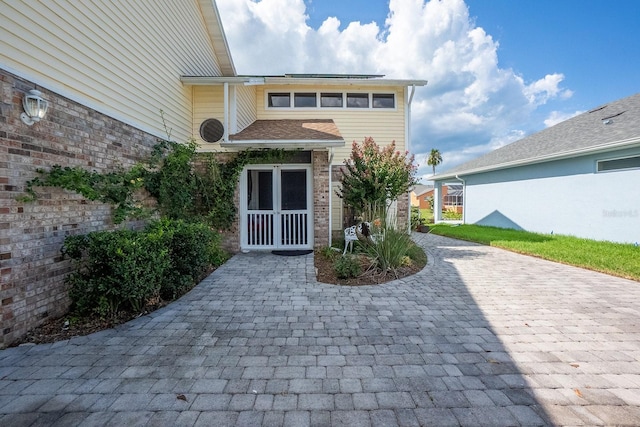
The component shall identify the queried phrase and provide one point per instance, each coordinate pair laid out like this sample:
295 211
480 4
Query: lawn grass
617 259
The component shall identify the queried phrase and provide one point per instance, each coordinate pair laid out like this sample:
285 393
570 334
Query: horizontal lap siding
246 105
124 59
208 104
384 126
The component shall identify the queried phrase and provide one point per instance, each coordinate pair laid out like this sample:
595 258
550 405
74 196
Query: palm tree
434 159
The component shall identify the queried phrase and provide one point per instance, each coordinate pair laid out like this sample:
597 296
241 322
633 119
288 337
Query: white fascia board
212 81
281 81
342 82
283 143
627 143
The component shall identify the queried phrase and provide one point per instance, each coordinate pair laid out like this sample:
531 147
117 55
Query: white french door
276 207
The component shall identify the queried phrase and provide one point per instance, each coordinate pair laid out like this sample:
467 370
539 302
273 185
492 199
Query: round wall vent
212 130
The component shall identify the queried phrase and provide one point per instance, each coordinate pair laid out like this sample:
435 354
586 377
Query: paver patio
480 337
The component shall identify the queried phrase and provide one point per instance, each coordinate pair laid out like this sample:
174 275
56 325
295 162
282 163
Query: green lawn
612 258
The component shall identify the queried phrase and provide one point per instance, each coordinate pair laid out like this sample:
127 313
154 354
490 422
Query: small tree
374 177
434 159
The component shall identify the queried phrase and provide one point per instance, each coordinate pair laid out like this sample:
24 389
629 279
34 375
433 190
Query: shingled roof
611 126
289 130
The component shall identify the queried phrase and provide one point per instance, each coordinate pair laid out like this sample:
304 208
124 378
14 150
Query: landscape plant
373 178
127 270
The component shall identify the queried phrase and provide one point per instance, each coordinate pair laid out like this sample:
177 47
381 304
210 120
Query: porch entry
276 207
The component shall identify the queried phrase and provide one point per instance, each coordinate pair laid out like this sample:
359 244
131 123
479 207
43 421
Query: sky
498 70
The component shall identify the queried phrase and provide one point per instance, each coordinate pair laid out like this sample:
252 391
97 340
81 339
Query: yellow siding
384 126
246 106
208 103
122 58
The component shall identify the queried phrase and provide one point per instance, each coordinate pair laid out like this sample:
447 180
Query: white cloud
470 103
556 117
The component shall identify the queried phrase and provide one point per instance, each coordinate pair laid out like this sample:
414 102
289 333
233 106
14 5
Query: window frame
618 169
370 96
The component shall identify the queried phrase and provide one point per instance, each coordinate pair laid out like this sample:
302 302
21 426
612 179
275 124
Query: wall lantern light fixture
35 107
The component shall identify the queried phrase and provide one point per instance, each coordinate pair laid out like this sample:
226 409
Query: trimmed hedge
127 270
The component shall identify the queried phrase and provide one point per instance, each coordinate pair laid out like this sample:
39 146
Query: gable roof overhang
287 134
611 127
214 27
617 145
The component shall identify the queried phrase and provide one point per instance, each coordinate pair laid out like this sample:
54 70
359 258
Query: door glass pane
259 190
294 189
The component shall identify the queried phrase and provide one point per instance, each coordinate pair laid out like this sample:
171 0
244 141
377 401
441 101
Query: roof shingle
289 130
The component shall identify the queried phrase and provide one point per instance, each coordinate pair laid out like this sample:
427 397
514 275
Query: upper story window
618 164
357 100
383 100
331 100
279 100
304 99
360 100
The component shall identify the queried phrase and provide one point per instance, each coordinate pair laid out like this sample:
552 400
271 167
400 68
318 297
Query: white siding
122 58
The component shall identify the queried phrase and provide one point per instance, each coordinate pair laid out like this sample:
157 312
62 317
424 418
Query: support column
437 202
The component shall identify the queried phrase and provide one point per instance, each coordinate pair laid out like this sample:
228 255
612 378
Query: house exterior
451 197
119 76
579 177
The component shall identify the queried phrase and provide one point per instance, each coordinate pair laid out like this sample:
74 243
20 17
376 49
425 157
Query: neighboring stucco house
108 70
580 177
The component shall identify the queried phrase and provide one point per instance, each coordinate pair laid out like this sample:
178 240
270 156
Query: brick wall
32 271
321 196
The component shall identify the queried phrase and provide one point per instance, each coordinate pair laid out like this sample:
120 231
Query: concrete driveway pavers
480 337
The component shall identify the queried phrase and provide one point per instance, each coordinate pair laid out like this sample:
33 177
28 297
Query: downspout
330 195
464 199
225 137
408 132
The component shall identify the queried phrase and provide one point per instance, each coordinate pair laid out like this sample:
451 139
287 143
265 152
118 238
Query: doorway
276 207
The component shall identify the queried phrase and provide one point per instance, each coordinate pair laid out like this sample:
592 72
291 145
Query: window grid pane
279 100
383 100
331 100
304 100
358 100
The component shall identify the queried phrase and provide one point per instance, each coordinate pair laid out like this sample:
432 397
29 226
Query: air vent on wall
211 130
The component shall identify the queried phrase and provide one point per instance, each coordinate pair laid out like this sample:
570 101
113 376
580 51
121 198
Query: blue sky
498 70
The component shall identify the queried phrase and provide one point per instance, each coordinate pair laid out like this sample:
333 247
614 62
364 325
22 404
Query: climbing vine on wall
182 190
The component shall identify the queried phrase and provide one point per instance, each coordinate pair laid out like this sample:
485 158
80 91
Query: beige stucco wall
123 59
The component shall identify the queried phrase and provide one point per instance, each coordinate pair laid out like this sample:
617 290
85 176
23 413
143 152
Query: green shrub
117 270
193 249
388 252
126 270
347 267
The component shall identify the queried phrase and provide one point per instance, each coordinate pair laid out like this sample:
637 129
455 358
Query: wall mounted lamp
35 107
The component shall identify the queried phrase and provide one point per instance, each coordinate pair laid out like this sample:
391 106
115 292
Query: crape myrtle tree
374 177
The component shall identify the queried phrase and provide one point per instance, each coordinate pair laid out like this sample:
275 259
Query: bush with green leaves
193 249
116 270
126 270
347 267
375 176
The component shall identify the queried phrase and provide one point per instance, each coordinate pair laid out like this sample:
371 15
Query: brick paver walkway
480 337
